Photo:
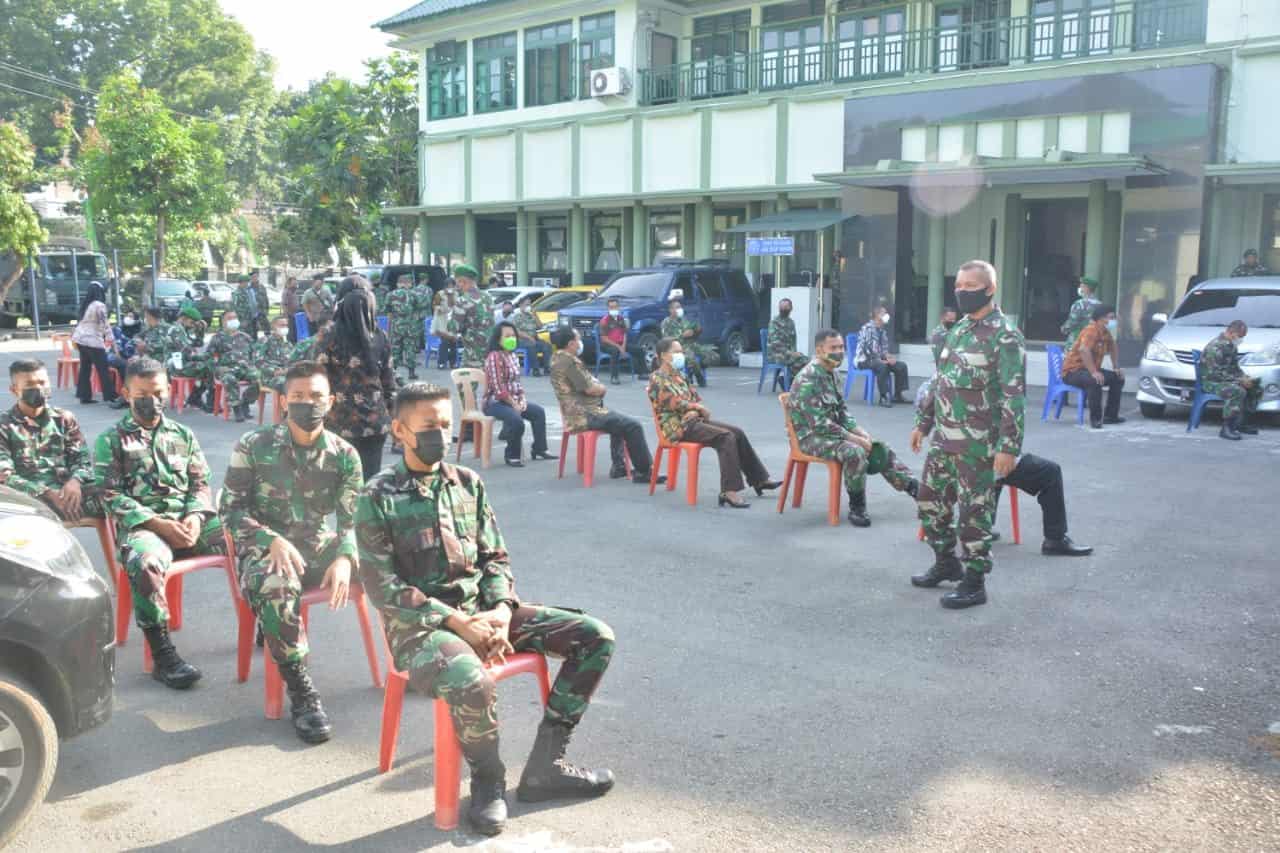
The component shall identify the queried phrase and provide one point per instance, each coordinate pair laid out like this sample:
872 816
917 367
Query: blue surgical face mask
677 361
1113 325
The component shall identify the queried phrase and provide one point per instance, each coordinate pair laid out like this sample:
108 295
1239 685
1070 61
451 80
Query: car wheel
648 344
1152 410
731 349
28 755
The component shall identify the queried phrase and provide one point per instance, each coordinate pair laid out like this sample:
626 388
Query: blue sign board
771 246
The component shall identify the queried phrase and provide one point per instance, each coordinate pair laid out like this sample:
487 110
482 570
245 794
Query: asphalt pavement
779 685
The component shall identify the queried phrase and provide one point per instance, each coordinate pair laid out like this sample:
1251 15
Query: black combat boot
250 395
169 669
309 719
240 410
1229 429
969 592
549 775
206 401
413 373
946 568
913 488
195 398
858 509
487 813
1243 427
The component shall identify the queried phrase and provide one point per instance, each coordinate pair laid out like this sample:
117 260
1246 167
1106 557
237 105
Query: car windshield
86 266
556 301
172 287
500 295
1258 307
641 285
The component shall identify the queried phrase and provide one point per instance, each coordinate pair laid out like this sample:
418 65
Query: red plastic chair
220 405
588 441
180 388
448 755
277 405
68 361
691 450
1013 515
798 468
104 539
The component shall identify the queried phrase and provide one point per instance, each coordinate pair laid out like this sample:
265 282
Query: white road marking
542 842
1169 729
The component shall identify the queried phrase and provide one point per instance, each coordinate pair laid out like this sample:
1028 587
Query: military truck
62 274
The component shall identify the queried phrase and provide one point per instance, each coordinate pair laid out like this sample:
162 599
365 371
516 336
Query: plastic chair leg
124 606
564 451
692 477
244 640
1013 511
802 473
173 597
1048 401
786 485
581 455
273 686
448 775
588 442
366 634
673 468
835 479
392 706
657 466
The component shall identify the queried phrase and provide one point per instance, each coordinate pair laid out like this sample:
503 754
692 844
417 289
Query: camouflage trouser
275 597
795 363
231 375
404 345
199 369
443 665
91 505
698 358
473 348
949 482
146 559
1236 399
854 460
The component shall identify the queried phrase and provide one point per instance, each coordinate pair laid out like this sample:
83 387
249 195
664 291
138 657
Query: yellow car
547 309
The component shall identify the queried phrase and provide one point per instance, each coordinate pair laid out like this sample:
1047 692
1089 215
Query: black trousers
737 456
513 426
448 353
1093 392
883 370
370 449
293 329
624 430
613 350
92 358
1042 479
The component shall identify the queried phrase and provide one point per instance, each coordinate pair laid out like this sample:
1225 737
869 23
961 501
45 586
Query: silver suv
1168 370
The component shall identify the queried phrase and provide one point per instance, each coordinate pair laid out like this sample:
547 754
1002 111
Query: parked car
718 297
1167 368
547 309
373 272
57 652
513 295
211 297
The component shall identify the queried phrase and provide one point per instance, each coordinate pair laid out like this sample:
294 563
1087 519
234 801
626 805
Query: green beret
466 271
1251 252
243 277
1089 280
878 458
190 310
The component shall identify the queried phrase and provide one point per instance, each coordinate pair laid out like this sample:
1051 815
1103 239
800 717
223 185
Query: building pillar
782 263
577 231
937 267
470 243
522 248
424 239
687 214
753 261
1095 231
625 243
704 236
640 235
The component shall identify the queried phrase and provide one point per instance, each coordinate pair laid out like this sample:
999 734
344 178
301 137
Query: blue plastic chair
604 358
1201 398
869 376
434 345
303 327
1057 389
781 373
384 323
523 354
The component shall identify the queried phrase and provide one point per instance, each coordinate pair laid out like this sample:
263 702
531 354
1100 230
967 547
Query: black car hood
13 502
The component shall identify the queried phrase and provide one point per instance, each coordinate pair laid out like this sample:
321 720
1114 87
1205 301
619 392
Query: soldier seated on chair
781 340
235 352
434 562
155 484
274 355
825 429
282 484
42 451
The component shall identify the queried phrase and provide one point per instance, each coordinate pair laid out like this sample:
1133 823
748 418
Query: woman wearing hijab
357 357
504 397
93 337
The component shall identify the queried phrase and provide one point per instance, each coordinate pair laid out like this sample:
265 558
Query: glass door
791 55
870 45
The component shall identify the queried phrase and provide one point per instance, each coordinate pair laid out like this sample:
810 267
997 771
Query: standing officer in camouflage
782 340
155 484
1081 311
423 299
244 302
473 314
686 332
264 305
282 484
273 355
434 562
938 337
824 428
235 352
975 415
406 329
1250 267
42 451
1220 374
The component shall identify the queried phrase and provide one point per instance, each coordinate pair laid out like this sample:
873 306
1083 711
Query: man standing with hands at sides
401 308
473 315
782 340
155 484
318 303
975 415
434 562
282 484
825 429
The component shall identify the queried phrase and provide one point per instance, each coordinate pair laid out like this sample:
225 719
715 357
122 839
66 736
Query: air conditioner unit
609 81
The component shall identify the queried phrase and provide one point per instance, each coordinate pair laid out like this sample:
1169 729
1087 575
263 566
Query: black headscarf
355 332
95 293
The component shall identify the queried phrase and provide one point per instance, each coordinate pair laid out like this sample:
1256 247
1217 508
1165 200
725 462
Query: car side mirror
675 294
1160 318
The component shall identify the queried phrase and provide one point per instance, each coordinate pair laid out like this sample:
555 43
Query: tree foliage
20 231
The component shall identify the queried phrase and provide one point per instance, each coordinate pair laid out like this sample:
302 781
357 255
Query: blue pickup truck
717 297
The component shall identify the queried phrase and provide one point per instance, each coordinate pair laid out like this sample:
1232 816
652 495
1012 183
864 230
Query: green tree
20 231
391 99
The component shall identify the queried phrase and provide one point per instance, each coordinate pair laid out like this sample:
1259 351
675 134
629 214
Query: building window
791 44
1068 28
595 48
495 62
606 242
871 44
973 34
553 236
664 235
447 80
548 64
721 44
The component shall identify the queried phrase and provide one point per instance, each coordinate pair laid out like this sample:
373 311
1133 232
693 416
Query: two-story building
1129 140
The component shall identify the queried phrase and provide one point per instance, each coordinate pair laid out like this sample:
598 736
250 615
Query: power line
56 100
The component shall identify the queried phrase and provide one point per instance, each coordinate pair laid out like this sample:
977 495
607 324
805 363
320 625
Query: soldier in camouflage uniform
1250 267
782 340
273 355
282 484
1220 374
473 316
434 562
938 337
197 364
526 323
155 485
1081 311
263 301
423 304
406 328
686 332
975 415
235 352
244 303
42 451
824 428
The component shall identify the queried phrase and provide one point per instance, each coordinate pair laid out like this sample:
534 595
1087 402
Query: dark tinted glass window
1259 308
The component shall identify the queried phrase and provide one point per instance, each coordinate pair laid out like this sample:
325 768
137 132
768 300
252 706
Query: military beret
243 277
1089 280
465 271
1253 252
189 310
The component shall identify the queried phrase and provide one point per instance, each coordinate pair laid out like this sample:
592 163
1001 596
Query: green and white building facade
1130 140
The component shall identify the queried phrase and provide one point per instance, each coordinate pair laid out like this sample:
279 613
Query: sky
309 39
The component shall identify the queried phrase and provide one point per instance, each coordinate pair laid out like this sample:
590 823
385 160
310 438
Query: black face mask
429 446
34 397
947 324
785 312
145 409
970 301
308 416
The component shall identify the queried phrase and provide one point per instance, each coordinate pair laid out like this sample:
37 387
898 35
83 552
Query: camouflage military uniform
196 362
1244 271
406 328
782 344
154 473
244 301
1079 317
974 410
1220 374
273 358
318 306
473 313
937 340
162 340
235 354
264 308
819 417
699 355
275 487
42 453
430 546
305 350
423 297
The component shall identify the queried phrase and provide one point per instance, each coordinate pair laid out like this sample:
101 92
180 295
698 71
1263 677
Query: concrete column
704 236
625 241
687 214
533 242
937 267
424 239
470 243
753 261
781 263
1095 230
522 248
577 235
640 235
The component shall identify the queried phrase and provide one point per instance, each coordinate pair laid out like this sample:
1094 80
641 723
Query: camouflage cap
465 271
1248 252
